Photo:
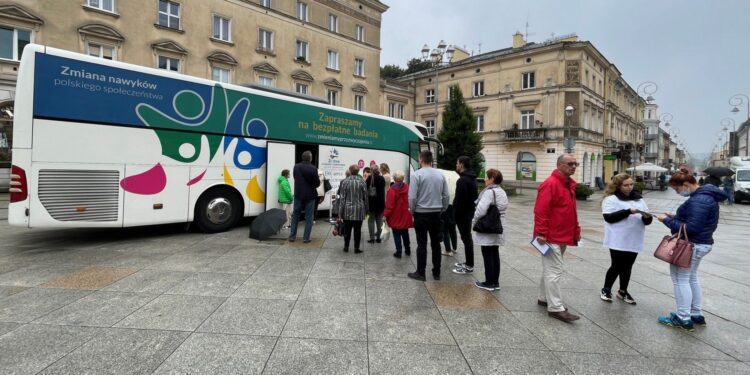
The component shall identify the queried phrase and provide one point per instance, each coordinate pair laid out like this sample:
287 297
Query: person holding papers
556 224
625 221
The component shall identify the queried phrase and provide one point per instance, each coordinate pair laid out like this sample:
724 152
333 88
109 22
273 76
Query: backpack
490 222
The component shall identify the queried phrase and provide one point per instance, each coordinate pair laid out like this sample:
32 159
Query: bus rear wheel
218 210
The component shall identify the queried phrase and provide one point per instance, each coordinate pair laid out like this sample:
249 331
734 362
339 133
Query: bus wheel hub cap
219 210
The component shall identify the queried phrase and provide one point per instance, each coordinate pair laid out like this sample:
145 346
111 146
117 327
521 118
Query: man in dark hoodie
463 205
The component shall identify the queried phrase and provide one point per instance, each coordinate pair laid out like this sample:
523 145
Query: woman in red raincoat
397 213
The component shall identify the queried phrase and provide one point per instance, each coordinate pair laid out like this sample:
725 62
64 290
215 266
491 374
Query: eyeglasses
573 164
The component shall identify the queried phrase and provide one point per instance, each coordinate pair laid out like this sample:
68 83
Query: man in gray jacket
428 198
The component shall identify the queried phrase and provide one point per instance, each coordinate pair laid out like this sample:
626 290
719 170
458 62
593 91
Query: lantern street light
568 142
738 100
439 56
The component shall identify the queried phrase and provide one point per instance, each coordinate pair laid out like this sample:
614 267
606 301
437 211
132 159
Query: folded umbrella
267 224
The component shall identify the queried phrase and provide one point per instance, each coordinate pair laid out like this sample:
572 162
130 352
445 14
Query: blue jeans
687 289
401 235
309 206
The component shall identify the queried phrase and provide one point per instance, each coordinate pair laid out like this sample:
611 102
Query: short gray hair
398 176
307 156
561 158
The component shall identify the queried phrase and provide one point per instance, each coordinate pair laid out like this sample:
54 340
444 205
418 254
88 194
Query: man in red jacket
556 224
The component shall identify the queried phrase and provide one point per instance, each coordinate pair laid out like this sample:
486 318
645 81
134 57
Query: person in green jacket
285 196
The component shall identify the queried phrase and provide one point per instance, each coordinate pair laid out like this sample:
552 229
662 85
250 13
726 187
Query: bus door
280 157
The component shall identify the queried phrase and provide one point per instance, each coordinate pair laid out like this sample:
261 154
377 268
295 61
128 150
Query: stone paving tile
390 271
100 309
297 253
313 356
271 287
255 251
28 305
249 317
173 312
35 275
7 327
697 367
333 290
336 269
234 264
488 328
414 324
726 336
120 351
6 291
315 243
327 320
148 281
31 348
285 267
208 249
338 255
204 353
490 361
396 358
90 278
461 296
397 292
209 284
519 298
184 262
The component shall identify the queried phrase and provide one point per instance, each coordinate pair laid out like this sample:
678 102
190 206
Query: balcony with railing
524 135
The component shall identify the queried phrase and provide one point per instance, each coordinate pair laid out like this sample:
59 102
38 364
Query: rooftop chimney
518 41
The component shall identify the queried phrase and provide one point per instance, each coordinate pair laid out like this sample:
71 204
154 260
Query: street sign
569 143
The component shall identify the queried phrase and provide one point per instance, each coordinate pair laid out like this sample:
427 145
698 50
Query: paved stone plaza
159 300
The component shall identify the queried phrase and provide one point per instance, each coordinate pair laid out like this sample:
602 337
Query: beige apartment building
519 95
325 48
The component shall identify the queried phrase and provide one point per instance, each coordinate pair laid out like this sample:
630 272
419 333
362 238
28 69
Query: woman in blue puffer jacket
700 214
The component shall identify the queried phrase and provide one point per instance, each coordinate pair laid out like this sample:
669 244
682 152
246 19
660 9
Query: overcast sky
698 52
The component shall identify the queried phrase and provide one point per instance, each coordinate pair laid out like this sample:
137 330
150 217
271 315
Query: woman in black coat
376 199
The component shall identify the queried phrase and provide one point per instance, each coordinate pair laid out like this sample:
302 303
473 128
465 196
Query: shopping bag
385 232
675 249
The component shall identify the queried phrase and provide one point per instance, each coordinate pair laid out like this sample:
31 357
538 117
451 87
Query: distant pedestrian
463 209
428 198
556 224
450 239
397 213
700 215
490 242
376 195
353 206
305 183
625 221
286 198
728 186
701 181
385 171
713 180
320 191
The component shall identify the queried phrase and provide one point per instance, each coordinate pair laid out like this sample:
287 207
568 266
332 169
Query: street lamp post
568 142
666 117
441 55
740 99
725 126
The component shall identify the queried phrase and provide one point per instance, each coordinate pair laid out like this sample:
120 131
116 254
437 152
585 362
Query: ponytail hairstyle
681 177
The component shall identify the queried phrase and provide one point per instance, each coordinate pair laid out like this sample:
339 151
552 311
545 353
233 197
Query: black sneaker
370 241
378 240
407 252
357 251
397 255
346 249
463 270
698 320
416 276
625 297
485 286
436 276
606 295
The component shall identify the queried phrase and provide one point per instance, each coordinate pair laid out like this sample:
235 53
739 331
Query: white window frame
360 33
430 125
359 67
171 5
222 21
479 124
333 60
267 81
429 96
100 52
477 88
99 4
225 75
16 54
265 39
528 80
301 88
169 62
302 49
302 11
333 23
332 95
527 120
359 102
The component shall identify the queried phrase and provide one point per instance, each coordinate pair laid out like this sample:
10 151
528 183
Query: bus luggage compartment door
280 157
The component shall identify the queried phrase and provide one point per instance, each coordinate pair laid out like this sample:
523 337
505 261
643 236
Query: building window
303 50
222 28
169 14
333 97
169 63
265 3
265 40
450 91
302 11
429 96
105 5
101 51
333 23
480 123
360 33
359 102
401 111
220 75
12 42
527 81
265 81
333 59
527 119
430 124
300 88
391 109
359 67
478 89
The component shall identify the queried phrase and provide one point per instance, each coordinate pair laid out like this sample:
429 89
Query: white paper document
542 248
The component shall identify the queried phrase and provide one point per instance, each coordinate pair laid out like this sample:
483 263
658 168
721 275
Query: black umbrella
718 171
267 224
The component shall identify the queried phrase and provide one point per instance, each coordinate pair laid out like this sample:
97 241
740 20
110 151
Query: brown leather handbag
675 249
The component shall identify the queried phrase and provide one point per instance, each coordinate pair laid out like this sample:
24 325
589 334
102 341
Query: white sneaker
448 253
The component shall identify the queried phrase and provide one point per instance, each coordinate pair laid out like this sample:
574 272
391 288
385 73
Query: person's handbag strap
683 231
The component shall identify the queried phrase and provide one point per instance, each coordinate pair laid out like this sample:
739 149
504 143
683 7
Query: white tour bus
101 143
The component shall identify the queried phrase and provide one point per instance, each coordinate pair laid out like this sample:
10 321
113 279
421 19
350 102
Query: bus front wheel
218 210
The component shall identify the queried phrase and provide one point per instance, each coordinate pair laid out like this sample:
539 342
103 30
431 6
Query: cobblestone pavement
159 300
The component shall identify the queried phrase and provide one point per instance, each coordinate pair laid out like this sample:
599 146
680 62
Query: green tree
417 65
391 71
458 134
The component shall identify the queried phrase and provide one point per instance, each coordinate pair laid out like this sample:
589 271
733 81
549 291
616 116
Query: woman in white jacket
490 242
